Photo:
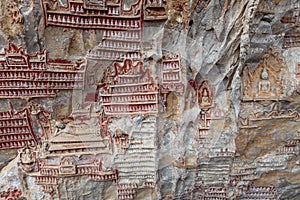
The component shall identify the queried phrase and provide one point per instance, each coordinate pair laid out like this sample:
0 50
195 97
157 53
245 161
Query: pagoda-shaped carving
266 81
131 91
92 15
171 74
26 76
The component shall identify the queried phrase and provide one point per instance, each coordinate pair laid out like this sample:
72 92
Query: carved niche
68 166
205 95
27 159
266 81
155 10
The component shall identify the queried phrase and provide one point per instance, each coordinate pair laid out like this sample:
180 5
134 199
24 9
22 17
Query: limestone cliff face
150 99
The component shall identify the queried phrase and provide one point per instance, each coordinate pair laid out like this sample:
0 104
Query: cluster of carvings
264 86
228 179
264 91
64 143
127 90
26 76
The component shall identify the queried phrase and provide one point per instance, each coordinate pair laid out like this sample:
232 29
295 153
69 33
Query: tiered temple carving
131 92
171 74
205 94
61 147
171 84
266 81
257 192
86 14
25 76
16 129
142 148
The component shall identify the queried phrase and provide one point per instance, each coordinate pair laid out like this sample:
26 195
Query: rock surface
154 99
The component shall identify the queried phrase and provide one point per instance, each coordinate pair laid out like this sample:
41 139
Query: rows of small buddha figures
16 129
37 76
41 75
122 35
130 98
130 78
154 10
79 8
129 45
220 192
171 72
113 55
89 22
40 85
11 194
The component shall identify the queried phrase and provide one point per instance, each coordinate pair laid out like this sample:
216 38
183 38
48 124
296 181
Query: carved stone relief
150 99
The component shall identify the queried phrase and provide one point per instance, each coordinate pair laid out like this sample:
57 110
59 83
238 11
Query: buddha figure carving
205 99
27 157
205 93
264 86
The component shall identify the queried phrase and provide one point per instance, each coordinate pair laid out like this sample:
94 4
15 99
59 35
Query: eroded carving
155 10
14 11
28 159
